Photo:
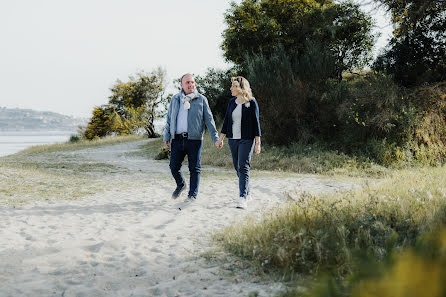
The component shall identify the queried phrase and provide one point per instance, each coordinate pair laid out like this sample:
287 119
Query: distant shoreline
12 142
32 120
38 131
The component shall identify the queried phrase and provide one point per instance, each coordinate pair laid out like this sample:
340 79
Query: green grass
323 233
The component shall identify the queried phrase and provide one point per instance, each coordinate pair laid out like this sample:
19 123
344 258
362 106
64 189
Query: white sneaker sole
242 205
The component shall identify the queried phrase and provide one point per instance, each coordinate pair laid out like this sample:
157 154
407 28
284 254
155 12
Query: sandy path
136 242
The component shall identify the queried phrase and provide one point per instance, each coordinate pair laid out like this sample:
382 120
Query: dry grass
55 172
20 185
323 233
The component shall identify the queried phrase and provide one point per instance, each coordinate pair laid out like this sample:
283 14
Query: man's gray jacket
198 115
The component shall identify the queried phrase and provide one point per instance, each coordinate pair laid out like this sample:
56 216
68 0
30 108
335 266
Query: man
187 114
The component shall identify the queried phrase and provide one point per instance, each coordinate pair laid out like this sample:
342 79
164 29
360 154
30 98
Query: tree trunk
150 129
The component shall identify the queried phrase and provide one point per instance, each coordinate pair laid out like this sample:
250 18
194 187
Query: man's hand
166 144
219 144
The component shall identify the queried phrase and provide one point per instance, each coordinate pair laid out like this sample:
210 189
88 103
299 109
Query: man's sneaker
249 197
190 198
178 191
242 203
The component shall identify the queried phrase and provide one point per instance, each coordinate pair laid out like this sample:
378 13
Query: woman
242 127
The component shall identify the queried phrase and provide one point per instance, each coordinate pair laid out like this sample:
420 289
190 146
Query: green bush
74 138
427 133
394 126
163 154
373 117
372 107
100 124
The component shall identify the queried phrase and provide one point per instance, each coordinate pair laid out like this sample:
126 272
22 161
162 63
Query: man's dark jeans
241 151
178 150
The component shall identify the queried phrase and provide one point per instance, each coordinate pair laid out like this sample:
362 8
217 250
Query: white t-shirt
237 122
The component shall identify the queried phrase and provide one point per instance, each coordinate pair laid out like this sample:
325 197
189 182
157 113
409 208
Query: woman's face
234 90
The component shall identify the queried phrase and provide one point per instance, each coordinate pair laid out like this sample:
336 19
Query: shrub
387 123
74 138
100 124
163 154
372 107
427 133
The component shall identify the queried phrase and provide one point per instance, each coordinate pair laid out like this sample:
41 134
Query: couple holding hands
188 113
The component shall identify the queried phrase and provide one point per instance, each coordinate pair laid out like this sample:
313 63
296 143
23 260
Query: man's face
188 84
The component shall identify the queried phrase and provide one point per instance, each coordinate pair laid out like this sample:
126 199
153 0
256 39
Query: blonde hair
242 85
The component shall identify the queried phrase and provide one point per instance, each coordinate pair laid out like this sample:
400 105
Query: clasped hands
219 144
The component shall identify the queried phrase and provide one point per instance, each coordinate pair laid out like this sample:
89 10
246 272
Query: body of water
14 141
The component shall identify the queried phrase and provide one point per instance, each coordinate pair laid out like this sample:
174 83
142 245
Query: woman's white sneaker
242 203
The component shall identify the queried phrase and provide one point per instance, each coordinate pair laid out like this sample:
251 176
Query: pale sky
64 55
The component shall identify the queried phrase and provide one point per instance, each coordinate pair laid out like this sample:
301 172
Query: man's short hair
184 76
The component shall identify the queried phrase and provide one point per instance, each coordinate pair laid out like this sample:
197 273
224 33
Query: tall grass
323 233
416 271
297 157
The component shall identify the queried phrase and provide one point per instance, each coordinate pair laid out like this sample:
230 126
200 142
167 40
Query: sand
138 241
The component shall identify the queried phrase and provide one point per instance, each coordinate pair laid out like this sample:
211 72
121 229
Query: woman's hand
257 148
219 142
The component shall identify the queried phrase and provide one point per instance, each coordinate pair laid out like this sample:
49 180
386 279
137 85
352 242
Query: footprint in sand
155 250
93 248
27 236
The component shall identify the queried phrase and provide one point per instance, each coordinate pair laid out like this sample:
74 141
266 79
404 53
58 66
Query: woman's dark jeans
241 151
178 150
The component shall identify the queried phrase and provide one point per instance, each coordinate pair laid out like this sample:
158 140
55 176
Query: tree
349 38
417 52
100 124
144 95
258 27
407 14
215 85
130 124
289 93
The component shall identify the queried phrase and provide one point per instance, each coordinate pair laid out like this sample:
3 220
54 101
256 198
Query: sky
65 55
